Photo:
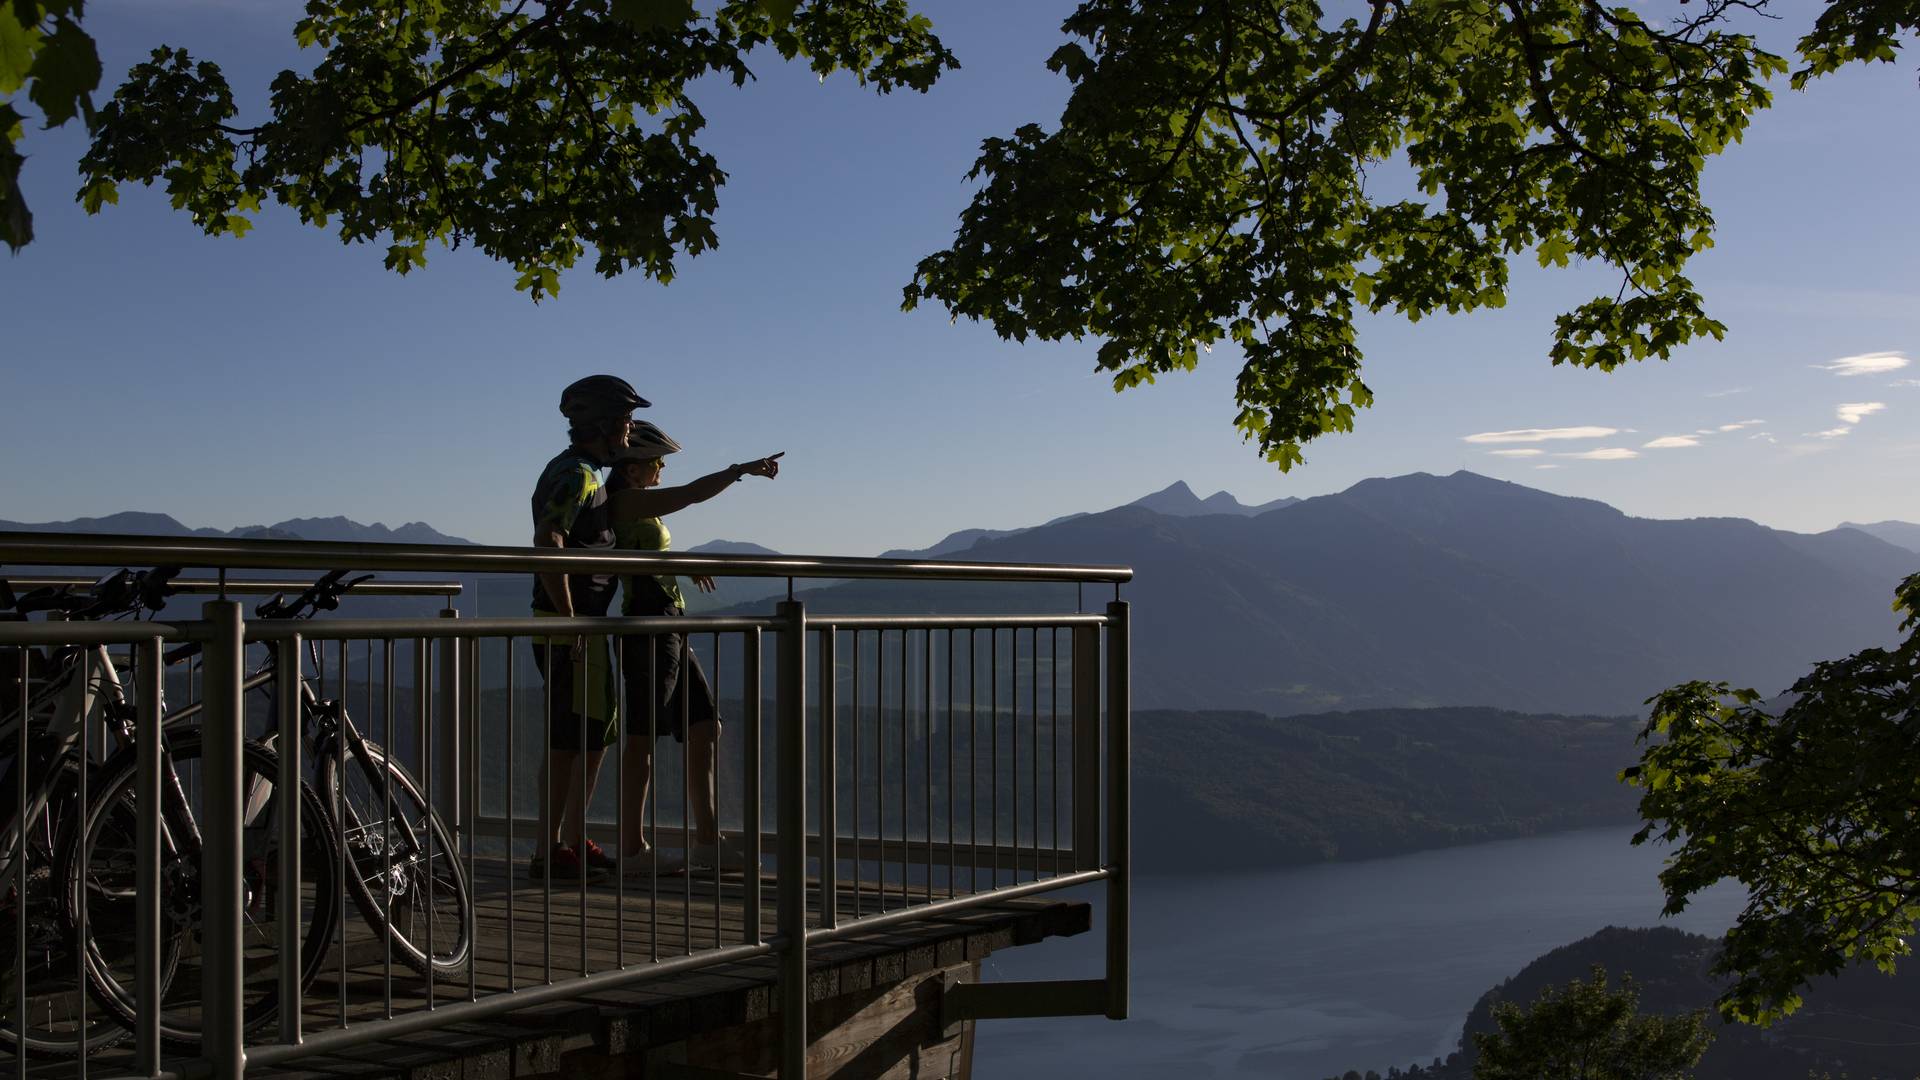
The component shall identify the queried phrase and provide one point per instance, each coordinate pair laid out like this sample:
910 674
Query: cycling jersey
571 501
647 594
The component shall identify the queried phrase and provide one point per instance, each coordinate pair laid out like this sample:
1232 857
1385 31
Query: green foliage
1208 182
42 49
1587 1031
533 131
1811 809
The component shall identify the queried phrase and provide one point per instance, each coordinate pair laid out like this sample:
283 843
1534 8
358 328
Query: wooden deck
598 930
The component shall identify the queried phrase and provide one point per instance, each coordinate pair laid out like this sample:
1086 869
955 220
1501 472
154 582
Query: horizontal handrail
523 626
73 549
96 633
256 587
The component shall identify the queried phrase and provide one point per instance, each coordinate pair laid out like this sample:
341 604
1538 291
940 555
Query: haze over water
1304 973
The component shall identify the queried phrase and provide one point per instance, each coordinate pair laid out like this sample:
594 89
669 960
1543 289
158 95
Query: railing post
1119 807
222 892
791 791
1086 748
146 741
450 791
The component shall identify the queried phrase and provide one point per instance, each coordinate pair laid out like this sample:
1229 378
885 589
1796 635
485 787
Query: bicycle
80 687
404 861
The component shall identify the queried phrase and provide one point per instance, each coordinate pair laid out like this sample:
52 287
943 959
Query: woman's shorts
582 708
664 669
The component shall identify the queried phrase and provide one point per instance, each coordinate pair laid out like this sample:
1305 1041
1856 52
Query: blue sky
232 382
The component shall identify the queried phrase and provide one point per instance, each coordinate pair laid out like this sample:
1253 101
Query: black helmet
600 396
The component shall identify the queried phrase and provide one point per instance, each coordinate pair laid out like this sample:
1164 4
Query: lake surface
1304 973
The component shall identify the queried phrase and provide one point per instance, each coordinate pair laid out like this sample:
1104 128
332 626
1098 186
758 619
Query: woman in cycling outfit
661 673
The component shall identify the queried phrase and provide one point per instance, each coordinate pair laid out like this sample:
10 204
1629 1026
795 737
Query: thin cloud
1672 442
1873 363
1730 393
1830 433
1516 453
1741 424
1856 411
1903 383
1549 465
1605 453
1528 435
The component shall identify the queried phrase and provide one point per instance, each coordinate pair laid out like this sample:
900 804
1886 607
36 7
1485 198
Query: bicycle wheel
101 874
56 1003
406 874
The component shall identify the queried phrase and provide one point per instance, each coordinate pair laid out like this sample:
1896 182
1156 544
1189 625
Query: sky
230 382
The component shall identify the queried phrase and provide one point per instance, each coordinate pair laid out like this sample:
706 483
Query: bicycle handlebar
322 595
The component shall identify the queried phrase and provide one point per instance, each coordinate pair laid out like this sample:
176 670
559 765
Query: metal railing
871 770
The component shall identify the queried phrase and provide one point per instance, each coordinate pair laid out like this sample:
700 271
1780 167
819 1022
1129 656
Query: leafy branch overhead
1226 170
1811 808
534 130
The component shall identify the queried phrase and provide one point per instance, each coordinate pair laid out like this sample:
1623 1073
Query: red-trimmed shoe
566 866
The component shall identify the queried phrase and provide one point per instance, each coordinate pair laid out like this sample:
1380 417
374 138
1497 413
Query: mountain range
1408 591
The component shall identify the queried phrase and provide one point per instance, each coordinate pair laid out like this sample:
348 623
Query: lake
1304 973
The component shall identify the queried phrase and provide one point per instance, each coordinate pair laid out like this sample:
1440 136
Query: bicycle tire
53 961
105 850
418 838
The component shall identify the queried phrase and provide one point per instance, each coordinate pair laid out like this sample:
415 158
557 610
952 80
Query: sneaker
566 866
597 857
726 855
642 864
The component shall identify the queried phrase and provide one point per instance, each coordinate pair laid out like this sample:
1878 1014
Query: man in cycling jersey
570 511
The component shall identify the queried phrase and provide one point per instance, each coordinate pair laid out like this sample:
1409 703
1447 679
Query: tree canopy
1224 171
1810 807
1589 1031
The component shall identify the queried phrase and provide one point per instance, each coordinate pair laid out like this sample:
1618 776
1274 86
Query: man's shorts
582 706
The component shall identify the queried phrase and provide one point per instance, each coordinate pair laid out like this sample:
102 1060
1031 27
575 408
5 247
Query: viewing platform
933 780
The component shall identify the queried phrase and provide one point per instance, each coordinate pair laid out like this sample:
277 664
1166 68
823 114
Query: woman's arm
631 503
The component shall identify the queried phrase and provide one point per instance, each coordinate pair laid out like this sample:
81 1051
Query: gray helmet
645 442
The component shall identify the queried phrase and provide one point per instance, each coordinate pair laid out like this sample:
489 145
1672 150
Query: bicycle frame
68 703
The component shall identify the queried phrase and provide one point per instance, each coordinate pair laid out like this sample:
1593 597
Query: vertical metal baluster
855 775
951 868
926 727
1033 759
80 910
339 820
423 703
543 845
20 867
1013 740
620 801
653 797
146 741
750 796
1053 732
829 781
474 788
386 831
686 796
513 727
716 682
906 824
973 763
588 651
880 764
287 669
993 740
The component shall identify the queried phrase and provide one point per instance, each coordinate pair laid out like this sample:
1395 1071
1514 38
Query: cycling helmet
645 442
598 396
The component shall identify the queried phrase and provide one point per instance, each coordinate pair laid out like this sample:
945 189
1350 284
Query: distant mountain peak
1178 500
